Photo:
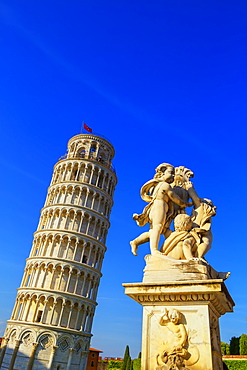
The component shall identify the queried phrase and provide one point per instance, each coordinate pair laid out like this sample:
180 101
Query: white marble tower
50 326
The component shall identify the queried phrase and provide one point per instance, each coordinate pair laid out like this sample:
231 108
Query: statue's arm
164 318
175 198
193 194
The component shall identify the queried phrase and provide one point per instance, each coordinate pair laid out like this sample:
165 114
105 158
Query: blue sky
165 81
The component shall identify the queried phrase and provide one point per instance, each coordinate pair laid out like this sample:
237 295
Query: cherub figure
174 352
160 210
202 214
172 319
192 237
182 243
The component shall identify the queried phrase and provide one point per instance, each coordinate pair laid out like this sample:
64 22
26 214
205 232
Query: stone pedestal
180 317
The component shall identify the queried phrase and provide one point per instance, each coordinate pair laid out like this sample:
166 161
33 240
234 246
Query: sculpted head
182 222
174 316
166 172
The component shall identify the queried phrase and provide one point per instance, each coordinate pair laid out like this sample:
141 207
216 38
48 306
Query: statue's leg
158 219
141 239
203 248
206 244
155 233
187 249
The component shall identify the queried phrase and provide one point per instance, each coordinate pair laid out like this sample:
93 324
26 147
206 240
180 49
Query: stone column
35 310
83 360
12 362
83 250
61 314
52 313
88 224
44 311
44 277
52 277
28 308
69 317
75 250
68 282
76 283
3 349
95 252
60 277
71 351
32 356
80 223
83 320
24 277
91 175
53 351
77 318
87 293
86 197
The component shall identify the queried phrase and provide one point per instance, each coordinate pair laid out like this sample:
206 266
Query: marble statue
182 295
168 194
160 211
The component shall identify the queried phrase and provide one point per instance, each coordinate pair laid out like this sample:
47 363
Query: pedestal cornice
182 292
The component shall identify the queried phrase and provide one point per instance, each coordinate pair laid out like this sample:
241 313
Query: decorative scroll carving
185 297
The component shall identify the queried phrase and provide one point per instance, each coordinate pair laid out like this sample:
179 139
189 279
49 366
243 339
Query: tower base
34 346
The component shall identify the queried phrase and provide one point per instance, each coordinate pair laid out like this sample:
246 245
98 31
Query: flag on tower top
87 128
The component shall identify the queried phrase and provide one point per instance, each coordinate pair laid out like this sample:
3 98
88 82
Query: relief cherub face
174 317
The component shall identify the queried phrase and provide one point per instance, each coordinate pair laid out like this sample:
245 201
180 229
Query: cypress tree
129 363
234 346
140 355
126 357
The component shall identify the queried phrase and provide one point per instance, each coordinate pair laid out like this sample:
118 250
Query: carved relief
177 351
27 339
46 341
63 344
215 340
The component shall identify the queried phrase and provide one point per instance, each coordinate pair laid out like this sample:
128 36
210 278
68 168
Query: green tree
225 348
112 365
140 355
137 364
243 344
126 357
129 363
234 346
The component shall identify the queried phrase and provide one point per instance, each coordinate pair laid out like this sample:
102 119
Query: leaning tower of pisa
50 326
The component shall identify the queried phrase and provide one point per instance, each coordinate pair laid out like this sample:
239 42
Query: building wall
93 359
